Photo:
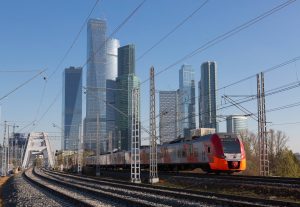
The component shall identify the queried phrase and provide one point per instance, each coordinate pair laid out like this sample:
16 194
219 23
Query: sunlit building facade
186 98
126 81
168 116
101 73
72 107
236 124
208 96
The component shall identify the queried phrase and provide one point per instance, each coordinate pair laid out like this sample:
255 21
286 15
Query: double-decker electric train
218 152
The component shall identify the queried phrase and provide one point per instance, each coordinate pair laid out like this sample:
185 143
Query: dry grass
2 182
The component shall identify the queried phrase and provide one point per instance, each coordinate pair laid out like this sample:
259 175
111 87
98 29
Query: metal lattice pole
153 141
135 138
259 123
262 128
4 153
8 149
79 150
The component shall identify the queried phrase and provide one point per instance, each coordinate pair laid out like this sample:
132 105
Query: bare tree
280 141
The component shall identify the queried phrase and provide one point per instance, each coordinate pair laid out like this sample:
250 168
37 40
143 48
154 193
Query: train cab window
231 145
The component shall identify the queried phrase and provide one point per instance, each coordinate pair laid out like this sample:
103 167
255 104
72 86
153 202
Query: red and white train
218 152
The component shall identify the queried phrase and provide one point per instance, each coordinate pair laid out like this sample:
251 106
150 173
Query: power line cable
50 106
41 100
18 71
75 40
271 92
172 31
225 35
115 31
287 123
21 85
62 60
273 68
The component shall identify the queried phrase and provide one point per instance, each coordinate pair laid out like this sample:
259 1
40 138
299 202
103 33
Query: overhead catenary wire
173 30
60 63
273 68
268 93
113 33
225 35
21 85
75 39
19 71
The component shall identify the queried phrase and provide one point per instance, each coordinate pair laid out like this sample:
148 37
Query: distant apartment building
168 116
208 96
72 107
186 100
125 82
236 124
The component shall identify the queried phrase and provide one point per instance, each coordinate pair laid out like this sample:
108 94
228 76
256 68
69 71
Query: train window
178 153
183 153
195 152
191 150
231 145
208 149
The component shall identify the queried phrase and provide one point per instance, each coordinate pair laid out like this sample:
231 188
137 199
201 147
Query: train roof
221 135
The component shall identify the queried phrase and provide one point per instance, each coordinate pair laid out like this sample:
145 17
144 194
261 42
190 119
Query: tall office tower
101 74
112 73
168 119
72 107
187 120
236 124
208 96
125 82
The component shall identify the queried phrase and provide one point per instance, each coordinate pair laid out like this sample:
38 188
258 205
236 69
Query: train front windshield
231 145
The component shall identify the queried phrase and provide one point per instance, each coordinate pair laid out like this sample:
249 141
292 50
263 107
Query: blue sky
36 34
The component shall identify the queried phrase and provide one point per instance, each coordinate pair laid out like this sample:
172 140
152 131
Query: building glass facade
187 120
125 82
112 73
101 74
208 96
72 107
236 124
168 120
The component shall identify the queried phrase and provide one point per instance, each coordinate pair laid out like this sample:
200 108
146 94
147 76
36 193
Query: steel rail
65 196
212 198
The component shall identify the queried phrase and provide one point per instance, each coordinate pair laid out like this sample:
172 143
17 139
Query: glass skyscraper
72 107
208 96
112 73
168 120
125 82
101 74
187 120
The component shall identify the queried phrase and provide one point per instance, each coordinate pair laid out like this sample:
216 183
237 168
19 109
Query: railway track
162 196
280 181
230 179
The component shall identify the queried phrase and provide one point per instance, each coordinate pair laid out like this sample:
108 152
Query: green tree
286 164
